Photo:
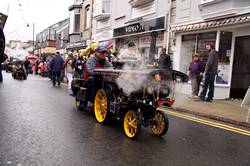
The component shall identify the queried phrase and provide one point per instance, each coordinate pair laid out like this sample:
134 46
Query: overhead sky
41 12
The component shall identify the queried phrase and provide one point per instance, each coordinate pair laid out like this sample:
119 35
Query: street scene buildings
184 27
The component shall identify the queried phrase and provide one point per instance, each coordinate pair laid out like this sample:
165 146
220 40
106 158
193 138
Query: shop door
241 68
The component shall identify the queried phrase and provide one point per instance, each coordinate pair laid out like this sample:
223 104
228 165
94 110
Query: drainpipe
168 26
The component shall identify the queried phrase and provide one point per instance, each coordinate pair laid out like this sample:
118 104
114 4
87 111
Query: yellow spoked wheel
78 104
131 124
159 124
101 106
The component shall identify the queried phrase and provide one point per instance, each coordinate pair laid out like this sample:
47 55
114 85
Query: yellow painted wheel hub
130 124
78 104
101 106
159 124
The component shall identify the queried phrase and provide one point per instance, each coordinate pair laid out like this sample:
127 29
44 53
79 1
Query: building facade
45 44
62 37
102 20
87 18
224 23
136 19
75 26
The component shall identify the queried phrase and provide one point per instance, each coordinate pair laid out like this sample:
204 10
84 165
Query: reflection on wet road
39 125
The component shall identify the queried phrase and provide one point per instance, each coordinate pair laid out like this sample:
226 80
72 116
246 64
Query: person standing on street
26 66
210 73
164 60
56 66
69 69
195 73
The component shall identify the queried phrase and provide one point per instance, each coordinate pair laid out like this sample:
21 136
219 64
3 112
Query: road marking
210 123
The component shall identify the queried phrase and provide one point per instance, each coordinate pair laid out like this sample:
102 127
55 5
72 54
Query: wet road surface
39 125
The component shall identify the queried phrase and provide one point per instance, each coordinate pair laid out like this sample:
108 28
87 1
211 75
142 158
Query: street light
33 25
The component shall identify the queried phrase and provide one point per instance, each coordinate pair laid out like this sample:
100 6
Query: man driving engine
99 60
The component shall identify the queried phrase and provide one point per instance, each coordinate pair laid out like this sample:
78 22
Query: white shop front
231 38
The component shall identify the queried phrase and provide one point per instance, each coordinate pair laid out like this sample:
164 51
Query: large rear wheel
131 124
101 106
159 123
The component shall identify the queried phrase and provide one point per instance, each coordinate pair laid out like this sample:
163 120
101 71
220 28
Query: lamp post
33 27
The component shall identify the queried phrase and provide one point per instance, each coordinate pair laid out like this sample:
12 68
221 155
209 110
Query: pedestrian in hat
195 73
99 60
56 65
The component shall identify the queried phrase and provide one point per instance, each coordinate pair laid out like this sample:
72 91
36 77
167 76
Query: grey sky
43 12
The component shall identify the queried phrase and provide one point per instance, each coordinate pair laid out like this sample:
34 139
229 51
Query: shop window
102 6
224 57
225 47
188 48
196 43
204 39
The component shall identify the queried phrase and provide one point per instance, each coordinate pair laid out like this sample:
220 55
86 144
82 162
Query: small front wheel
159 123
73 88
131 124
78 104
80 100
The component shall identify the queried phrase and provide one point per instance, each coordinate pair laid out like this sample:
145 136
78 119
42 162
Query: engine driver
99 60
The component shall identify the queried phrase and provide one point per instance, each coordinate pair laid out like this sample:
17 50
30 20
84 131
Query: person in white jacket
129 53
69 69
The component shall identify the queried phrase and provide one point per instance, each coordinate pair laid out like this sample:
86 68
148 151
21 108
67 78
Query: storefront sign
145 26
76 44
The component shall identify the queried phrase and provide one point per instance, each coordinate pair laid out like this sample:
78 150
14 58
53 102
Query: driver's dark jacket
95 63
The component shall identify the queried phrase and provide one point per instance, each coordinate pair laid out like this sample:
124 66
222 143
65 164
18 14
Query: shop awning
213 24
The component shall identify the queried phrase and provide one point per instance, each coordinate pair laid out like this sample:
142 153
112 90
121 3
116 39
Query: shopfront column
217 43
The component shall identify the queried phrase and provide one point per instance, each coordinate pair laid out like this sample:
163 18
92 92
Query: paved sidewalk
228 111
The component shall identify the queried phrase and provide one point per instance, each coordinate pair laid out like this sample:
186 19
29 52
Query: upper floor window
87 17
77 20
136 3
144 10
205 2
78 2
102 6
